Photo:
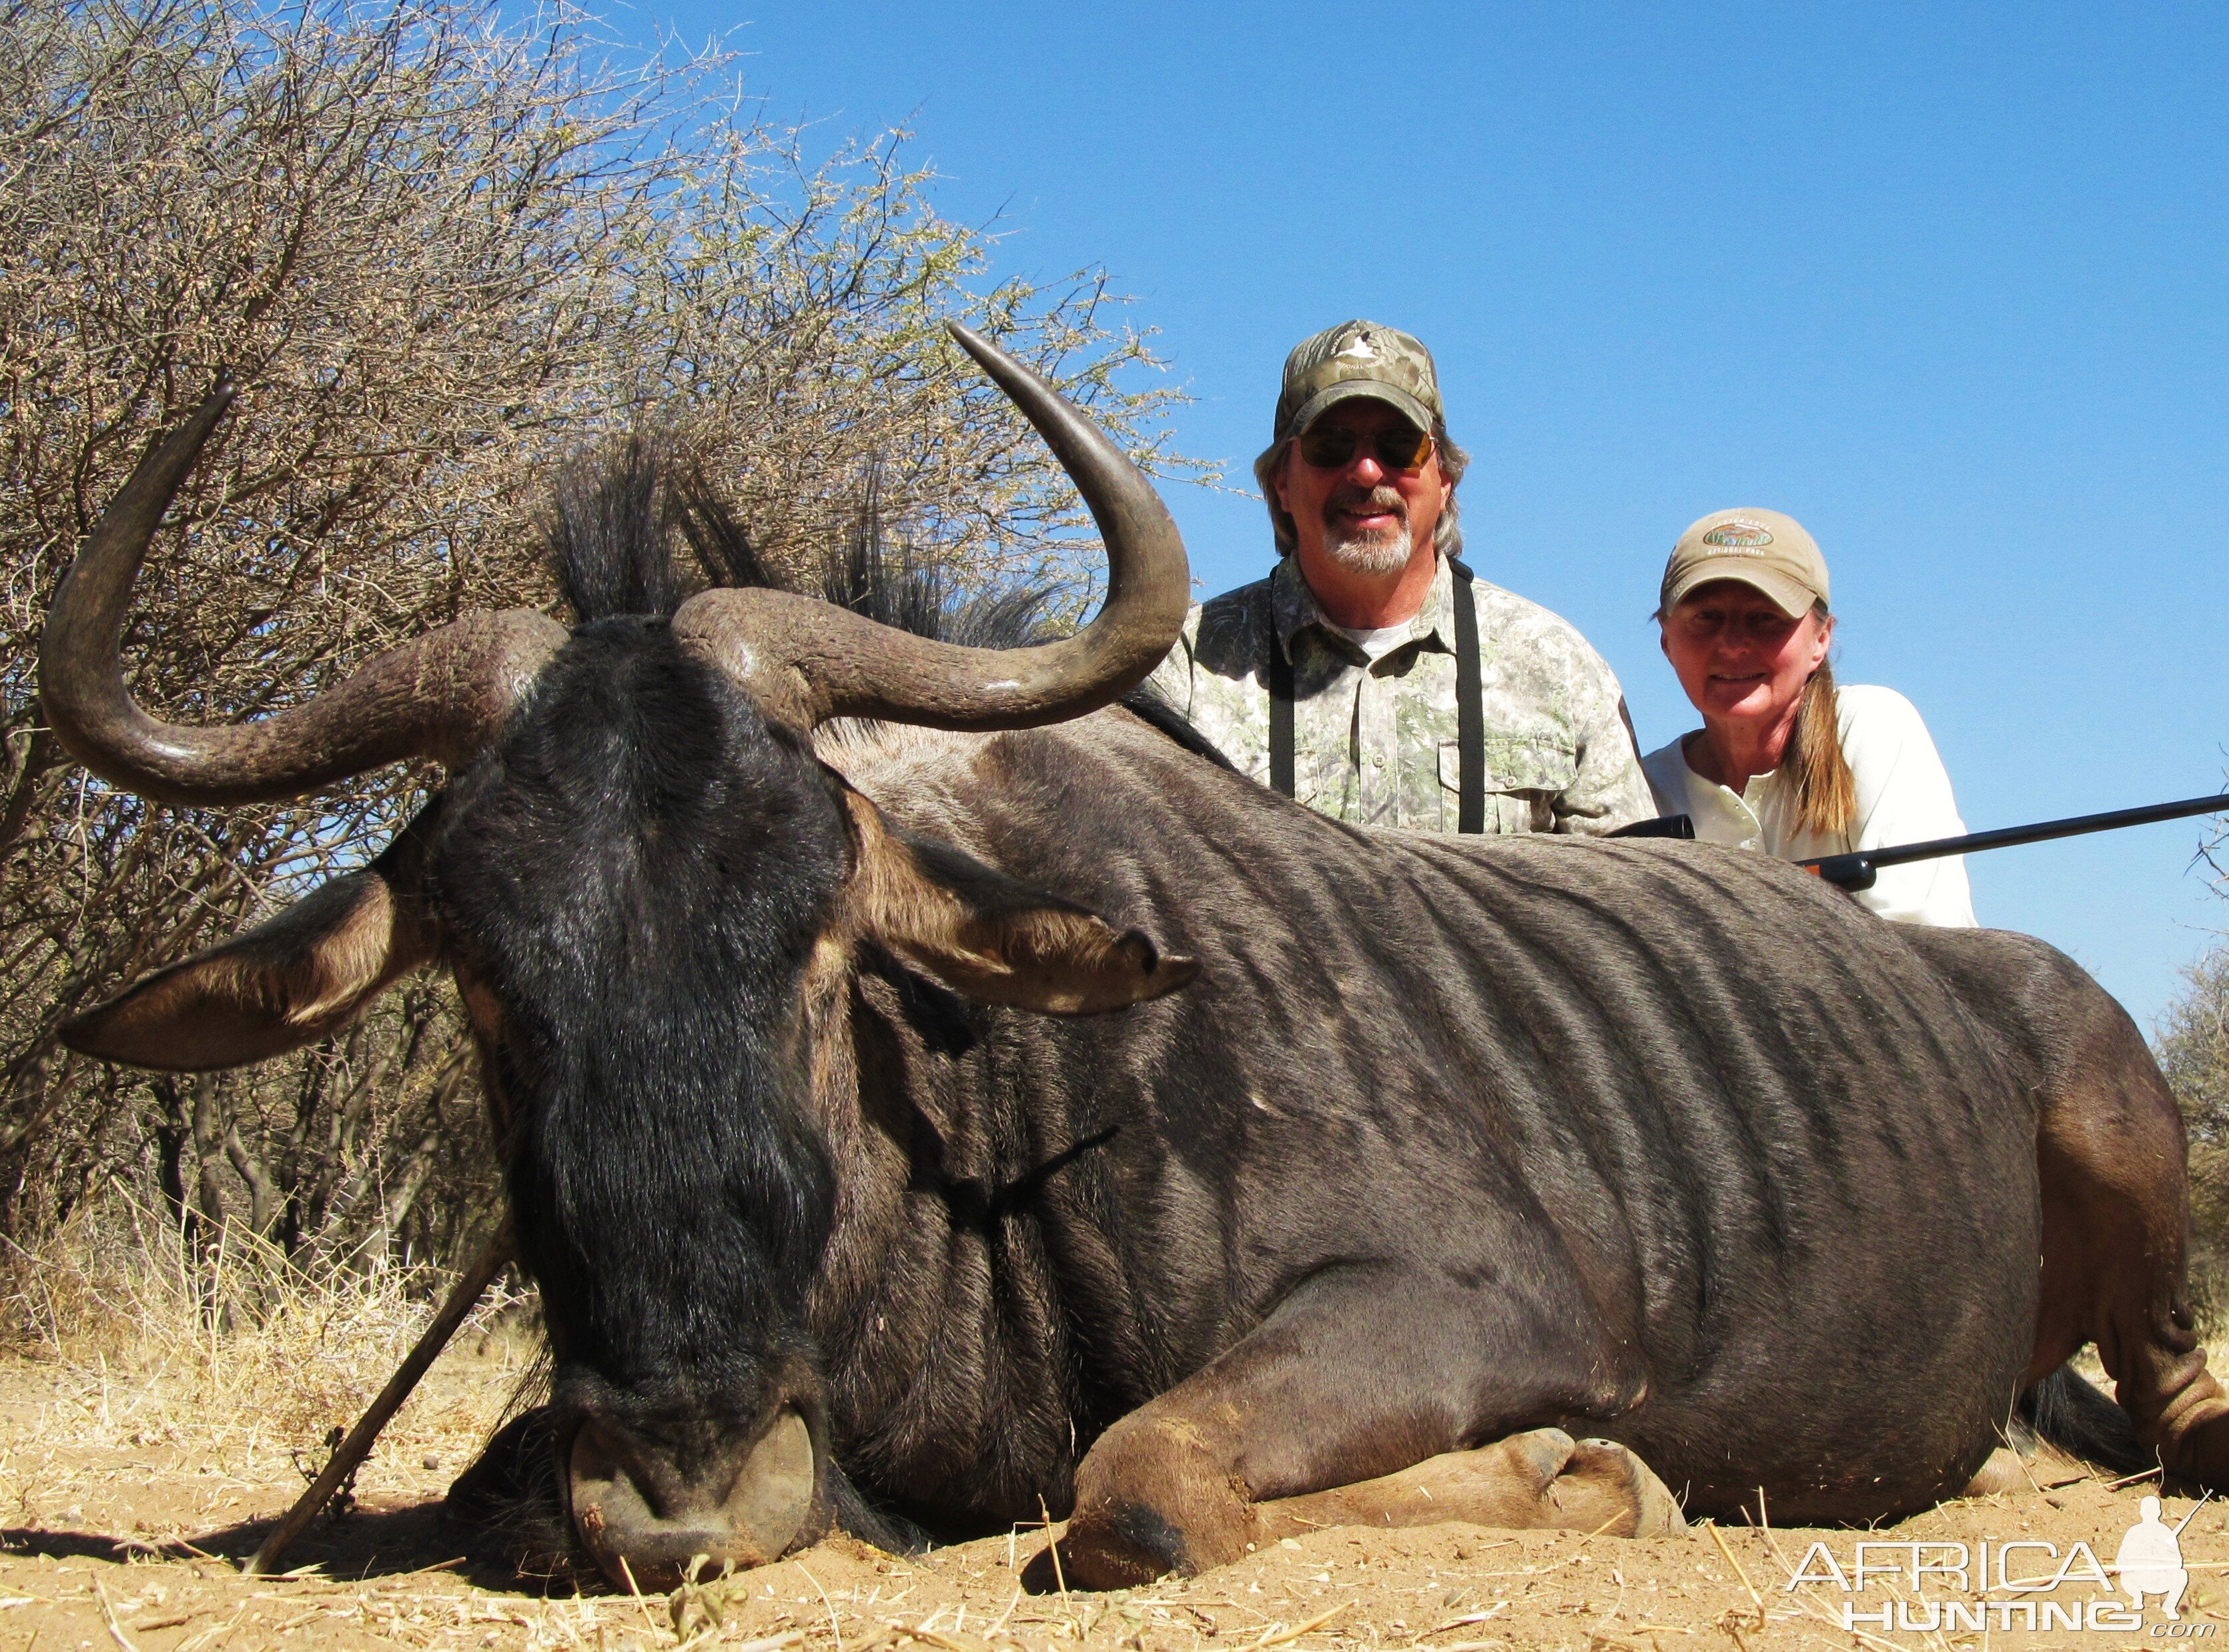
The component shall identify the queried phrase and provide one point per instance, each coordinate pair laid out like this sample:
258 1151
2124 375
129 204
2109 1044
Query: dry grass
236 1359
143 1445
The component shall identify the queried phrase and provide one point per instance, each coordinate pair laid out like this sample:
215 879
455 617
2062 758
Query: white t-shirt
1377 641
1904 797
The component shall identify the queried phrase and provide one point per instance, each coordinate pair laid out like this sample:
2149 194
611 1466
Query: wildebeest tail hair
2066 1411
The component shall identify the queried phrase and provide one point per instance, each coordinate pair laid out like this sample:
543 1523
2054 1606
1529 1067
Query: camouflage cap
1763 549
1358 358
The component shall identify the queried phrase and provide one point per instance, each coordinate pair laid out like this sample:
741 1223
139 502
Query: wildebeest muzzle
656 1501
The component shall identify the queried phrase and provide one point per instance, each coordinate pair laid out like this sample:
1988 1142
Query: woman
1785 763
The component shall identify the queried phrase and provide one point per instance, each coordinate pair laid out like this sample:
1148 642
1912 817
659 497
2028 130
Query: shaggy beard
1385 551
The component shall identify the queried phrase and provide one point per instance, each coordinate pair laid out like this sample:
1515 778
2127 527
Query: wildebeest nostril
645 1521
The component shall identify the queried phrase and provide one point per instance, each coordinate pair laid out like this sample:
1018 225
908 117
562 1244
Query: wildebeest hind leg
1363 1376
2115 1230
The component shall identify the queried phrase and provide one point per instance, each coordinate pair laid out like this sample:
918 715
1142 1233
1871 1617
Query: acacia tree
2192 1043
437 251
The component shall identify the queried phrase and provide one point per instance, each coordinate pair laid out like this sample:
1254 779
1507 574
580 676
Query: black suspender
1281 707
1470 713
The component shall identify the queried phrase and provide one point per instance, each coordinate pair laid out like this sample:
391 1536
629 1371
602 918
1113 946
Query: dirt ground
126 1510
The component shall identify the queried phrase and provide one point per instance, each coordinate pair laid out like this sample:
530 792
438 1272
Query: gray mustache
1381 498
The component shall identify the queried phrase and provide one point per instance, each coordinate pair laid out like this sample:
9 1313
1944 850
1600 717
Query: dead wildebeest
866 1172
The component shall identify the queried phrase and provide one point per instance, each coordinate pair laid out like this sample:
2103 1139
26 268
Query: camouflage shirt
1374 742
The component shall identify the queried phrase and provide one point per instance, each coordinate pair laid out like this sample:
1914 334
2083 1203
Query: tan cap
1761 549
1358 358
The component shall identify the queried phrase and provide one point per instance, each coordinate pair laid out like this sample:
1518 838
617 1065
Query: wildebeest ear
306 972
992 937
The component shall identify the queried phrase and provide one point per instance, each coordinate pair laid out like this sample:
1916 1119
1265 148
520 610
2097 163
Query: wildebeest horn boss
873 1170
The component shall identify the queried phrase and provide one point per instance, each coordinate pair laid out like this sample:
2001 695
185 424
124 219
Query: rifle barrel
1856 870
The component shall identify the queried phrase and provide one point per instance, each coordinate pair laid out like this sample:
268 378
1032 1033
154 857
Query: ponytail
1825 791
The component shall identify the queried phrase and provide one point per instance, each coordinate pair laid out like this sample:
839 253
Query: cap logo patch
1739 534
1362 348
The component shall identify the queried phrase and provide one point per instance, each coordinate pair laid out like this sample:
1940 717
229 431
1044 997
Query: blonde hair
1825 791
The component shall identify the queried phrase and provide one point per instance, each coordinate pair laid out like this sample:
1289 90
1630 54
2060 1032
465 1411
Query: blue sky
1946 283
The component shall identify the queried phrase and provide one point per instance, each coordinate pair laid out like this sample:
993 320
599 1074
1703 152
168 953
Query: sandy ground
126 1509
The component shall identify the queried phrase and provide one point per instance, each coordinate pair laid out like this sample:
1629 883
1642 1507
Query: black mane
618 517
610 532
615 517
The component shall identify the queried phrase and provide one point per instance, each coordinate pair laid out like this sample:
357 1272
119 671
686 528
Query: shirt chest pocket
1524 775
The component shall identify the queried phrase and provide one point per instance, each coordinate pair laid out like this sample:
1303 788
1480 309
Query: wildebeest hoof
1120 1547
1536 1456
1589 1485
1620 1473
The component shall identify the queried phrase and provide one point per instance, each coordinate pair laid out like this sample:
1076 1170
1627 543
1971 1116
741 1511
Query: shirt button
1378 759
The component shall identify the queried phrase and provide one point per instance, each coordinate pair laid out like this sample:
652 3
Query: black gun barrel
1856 872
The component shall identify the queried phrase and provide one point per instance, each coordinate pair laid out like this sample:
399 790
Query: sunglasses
1397 446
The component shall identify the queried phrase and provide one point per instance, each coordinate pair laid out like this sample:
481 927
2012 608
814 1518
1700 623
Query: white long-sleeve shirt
1904 797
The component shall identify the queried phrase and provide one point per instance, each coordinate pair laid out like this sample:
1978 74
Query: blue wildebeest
926 1088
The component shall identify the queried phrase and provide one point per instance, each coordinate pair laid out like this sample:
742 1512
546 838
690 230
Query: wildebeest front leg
1353 1403
1541 1478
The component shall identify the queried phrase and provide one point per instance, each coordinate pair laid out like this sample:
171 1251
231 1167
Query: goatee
1381 550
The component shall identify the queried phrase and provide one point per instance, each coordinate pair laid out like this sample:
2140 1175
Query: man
1346 678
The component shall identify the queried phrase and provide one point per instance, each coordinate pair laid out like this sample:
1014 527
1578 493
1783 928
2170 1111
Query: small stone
429 1462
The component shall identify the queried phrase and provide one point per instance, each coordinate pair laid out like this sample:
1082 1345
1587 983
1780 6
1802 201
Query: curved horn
440 695
805 661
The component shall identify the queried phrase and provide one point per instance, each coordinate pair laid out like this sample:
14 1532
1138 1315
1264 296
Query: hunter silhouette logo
2150 1558
1936 1586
